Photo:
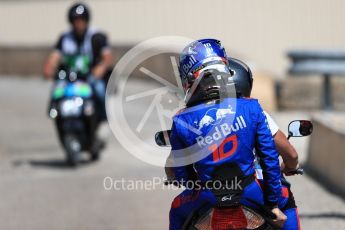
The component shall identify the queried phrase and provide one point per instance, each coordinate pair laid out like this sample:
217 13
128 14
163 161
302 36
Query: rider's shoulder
99 37
250 100
96 32
179 112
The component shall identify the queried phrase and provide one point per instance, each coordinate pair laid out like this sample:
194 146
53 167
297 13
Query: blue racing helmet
201 55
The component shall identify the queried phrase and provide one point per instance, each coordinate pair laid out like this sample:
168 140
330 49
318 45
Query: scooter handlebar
298 171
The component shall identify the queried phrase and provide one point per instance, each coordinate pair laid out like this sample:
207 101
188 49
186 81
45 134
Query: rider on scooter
243 79
232 156
83 49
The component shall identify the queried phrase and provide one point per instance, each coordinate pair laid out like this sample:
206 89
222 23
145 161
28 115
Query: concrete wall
261 30
327 152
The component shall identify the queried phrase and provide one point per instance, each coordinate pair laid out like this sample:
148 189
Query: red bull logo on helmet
189 65
197 52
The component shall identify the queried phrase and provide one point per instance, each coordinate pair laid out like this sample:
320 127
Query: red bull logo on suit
220 131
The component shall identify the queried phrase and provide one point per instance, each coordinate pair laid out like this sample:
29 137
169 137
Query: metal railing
319 62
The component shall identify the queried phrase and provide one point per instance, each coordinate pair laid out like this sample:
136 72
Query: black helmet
79 10
242 77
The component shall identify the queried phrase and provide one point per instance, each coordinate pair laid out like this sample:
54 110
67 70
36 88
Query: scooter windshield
75 89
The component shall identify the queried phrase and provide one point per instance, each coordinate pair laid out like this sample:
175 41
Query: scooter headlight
71 107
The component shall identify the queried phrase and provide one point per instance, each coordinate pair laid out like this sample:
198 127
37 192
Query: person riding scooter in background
228 158
83 49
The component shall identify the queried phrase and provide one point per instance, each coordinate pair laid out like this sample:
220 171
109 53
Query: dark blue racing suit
229 131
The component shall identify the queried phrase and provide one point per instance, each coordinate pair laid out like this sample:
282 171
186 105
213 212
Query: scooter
237 216
74 110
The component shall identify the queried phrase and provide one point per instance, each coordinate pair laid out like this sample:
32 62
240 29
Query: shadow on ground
326 215
50 163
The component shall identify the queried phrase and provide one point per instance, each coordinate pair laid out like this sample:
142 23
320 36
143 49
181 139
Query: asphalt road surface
38 191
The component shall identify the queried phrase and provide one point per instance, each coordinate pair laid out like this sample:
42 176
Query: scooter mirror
300 128
162 138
